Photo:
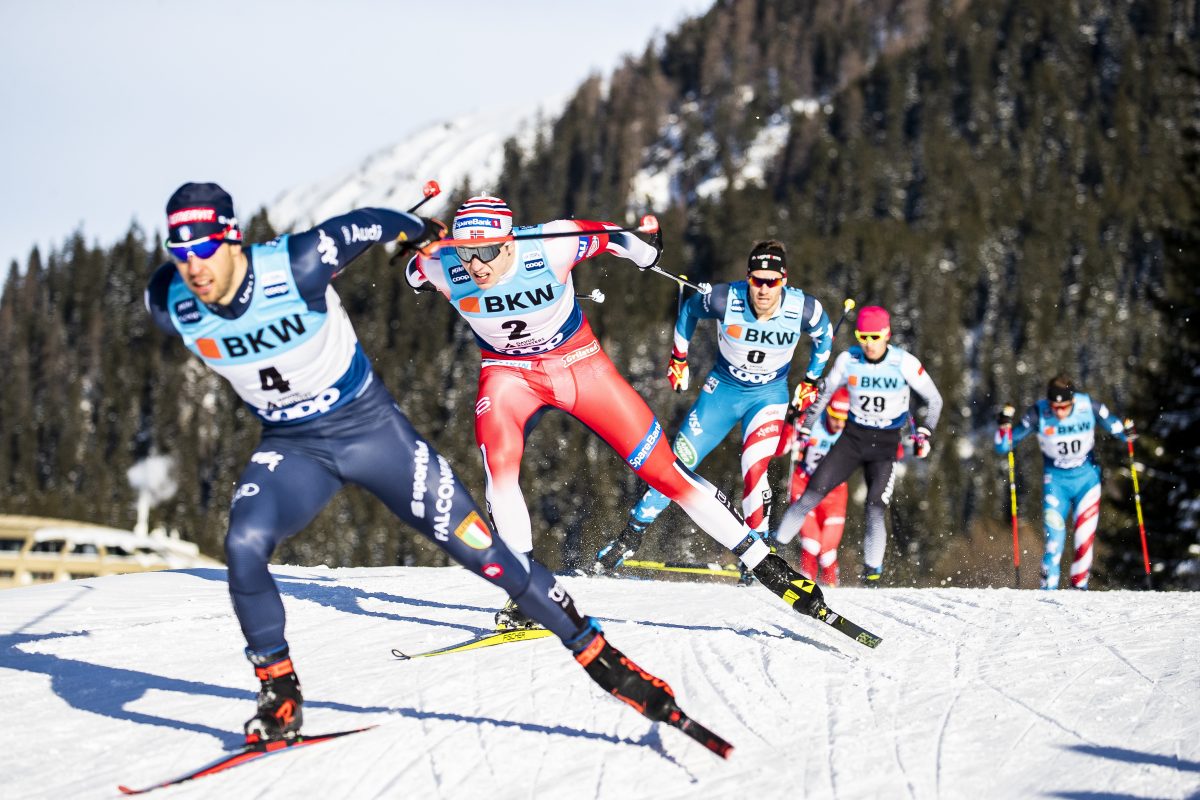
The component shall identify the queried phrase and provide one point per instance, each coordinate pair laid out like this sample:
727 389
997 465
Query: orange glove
677 371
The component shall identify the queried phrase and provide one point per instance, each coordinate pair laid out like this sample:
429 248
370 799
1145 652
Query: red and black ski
248 752
701 734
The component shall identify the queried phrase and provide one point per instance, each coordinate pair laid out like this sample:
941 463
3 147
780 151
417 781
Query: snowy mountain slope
469 148
978 694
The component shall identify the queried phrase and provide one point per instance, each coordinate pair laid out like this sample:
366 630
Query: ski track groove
745 683
829 740
944 722
908 784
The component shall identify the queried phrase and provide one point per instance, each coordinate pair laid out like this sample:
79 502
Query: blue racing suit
1070 481
287 347
748 383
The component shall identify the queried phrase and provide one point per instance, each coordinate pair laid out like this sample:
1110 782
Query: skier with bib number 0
760 322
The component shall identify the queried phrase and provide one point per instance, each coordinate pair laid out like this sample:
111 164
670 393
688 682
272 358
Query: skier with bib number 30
266 318
1066 422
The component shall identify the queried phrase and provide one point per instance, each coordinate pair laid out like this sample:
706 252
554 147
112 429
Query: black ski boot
619 549
871 576
279 700
796 590
511 617
628 682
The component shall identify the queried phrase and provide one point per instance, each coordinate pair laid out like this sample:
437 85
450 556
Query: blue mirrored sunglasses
202 249
484 253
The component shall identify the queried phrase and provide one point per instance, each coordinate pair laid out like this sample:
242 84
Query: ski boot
279 700
511 618
746 577
628 682
871 576
619 549
797 591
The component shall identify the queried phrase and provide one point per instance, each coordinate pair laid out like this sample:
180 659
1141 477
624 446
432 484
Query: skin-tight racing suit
1071 479
286 346
748 383
539 352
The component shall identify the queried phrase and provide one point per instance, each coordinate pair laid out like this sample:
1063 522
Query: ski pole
430 190
1009 411
595 295
1137 501
789 418
648 224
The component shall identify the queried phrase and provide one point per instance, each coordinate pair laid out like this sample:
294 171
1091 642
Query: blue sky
108 106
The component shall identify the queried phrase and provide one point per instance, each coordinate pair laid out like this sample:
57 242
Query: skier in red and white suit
539 352
822 530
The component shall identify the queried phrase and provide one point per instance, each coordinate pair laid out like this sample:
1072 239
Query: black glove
1005 417
656 243
431 230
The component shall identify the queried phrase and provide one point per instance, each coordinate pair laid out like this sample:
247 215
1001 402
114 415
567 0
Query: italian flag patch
472 531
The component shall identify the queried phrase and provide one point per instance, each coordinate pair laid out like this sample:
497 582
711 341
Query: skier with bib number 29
879 378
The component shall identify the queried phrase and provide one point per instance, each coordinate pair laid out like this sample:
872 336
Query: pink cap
873 319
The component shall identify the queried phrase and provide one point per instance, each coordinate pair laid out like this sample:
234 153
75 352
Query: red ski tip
431 189
649 224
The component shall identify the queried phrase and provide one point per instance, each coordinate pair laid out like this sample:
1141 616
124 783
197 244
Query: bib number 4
273 381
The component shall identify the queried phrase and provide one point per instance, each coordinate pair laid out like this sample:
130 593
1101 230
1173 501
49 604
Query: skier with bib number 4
1066 422
879 378
266 318
760 322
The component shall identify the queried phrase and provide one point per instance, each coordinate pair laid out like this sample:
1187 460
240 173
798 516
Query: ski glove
806 394
677 371
920 442
416 278
800 441
431 230
1005 418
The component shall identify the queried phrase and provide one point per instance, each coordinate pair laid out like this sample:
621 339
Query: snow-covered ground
972 694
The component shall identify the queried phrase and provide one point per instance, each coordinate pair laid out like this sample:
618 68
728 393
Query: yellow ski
676 566
500 636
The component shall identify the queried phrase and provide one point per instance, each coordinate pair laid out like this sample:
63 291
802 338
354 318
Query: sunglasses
867 337
766 283
201 248
1061 406
485 253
